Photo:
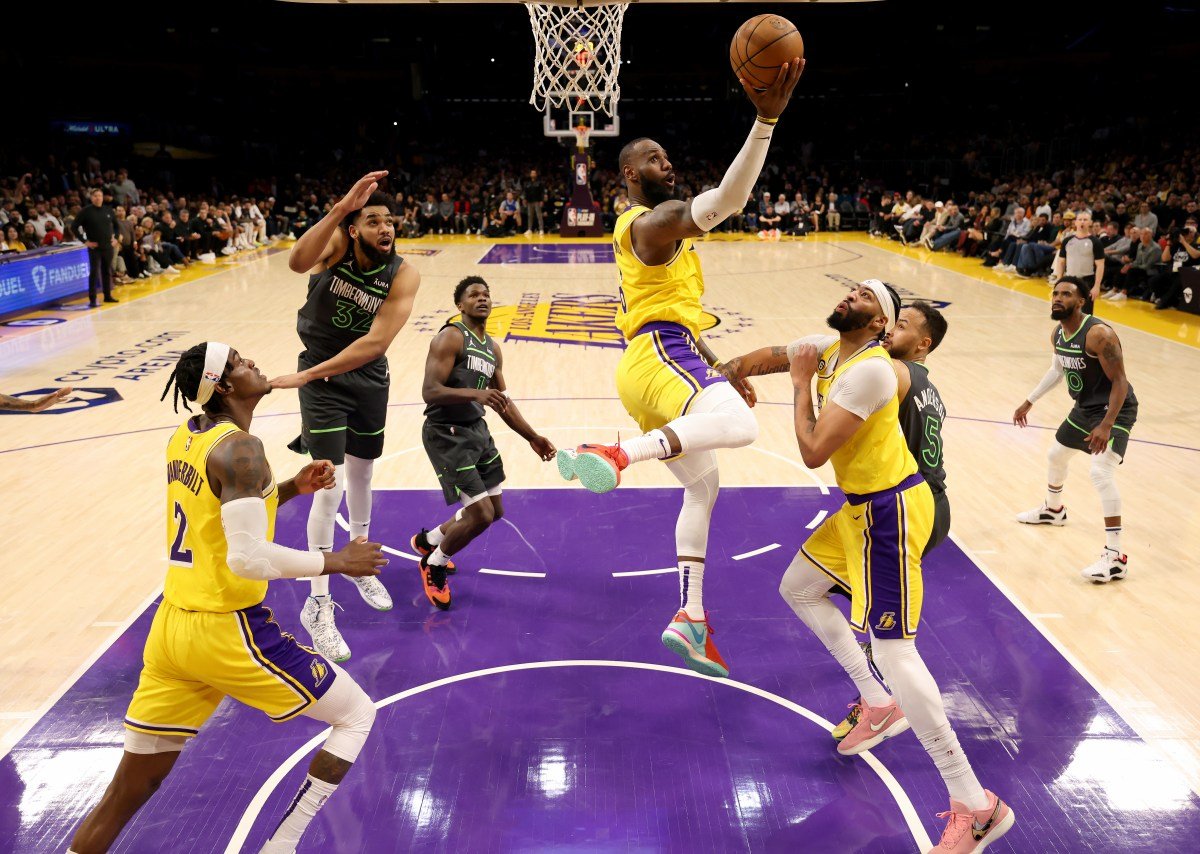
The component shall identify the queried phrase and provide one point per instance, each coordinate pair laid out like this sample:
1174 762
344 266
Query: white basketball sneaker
1044 516
317 618
373 592
1111 566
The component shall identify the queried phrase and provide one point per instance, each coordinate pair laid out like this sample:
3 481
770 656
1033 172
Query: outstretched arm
672 221
512 416
20 404
392 316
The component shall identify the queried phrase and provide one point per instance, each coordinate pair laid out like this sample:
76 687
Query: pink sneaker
874 724
968 830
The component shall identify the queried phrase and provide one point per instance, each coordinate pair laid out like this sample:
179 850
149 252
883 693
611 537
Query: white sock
805 589
1054 497
1112 538
435 536
358 494
311 797
652 446
691 588
439 557
921 701
319 585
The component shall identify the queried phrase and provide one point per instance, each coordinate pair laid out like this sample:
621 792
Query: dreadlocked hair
185 379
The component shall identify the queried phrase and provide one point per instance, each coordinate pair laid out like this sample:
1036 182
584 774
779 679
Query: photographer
1180 252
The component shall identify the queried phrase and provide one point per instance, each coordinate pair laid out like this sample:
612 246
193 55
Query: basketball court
541 713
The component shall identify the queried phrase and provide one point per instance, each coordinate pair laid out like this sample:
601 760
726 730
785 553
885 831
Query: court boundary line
296 414
19 732
1035 620
935 261
252 811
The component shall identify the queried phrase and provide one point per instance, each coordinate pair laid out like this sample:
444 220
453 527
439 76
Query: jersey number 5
180 556
932 452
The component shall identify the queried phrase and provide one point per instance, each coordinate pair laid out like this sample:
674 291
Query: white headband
216 358
885 301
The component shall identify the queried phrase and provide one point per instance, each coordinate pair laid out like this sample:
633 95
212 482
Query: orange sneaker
970 830
692 641
433 579
598 467
423 547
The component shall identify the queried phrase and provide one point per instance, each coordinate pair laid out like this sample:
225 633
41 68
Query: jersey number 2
180 556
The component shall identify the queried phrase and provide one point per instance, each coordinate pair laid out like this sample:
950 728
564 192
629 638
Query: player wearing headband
871 547
211 636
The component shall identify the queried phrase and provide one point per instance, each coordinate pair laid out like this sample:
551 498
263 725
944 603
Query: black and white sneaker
1044 516
1111 566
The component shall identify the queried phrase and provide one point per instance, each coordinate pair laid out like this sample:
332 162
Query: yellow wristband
767 121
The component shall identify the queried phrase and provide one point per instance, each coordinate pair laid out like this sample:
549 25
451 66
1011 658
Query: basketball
761 45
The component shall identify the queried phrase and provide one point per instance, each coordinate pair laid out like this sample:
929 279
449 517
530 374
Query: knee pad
1104 467
1058 458
347 708
143 743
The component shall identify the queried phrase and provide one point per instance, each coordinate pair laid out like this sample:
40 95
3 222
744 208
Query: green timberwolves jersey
474 367
342 304
921 415
1086 381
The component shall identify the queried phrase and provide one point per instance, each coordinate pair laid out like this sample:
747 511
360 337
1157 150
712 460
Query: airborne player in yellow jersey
871 548
212 636
668 379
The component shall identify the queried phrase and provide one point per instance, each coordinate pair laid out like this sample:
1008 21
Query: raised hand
771 101
362 190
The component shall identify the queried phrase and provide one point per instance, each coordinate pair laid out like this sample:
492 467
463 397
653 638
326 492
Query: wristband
767 121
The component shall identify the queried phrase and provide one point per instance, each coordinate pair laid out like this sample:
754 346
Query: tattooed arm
766 360
1102 342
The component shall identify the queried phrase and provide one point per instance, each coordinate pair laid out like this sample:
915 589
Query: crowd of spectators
1125 226
1136 216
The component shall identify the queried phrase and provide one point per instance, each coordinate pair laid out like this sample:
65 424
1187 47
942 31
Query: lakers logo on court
581 319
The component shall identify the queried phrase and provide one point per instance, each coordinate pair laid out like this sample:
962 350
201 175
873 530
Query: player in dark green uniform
919 330
463 374
1087 353
360 294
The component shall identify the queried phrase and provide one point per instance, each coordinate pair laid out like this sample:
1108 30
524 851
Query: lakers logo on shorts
319 672
887 622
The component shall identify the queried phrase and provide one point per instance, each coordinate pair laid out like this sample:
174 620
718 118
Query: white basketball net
577 55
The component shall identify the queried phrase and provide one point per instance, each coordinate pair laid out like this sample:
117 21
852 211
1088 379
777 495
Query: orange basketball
761 45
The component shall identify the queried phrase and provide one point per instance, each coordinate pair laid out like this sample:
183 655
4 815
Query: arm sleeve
865 388
712 207
252 556
821 342
1052 378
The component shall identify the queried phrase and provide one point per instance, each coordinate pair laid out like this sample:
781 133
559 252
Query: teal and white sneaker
692 641
373 592
598 467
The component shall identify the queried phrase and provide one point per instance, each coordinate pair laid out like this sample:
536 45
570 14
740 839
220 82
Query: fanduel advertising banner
35 278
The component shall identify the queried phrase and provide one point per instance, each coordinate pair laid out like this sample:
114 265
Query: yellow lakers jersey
198 578
876 457
663 292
